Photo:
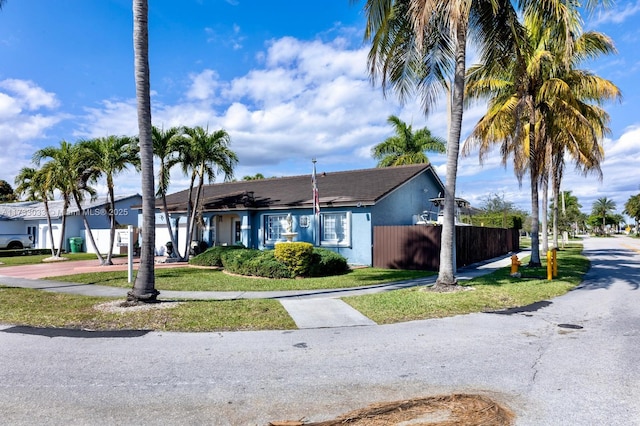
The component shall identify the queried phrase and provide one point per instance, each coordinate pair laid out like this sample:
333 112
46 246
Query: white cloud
203 85
616 15
231 38
314 100
627 144
113 117
28 95
9 107
307 100
27 111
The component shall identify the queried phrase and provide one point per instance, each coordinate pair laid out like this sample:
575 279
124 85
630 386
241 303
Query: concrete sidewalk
308 308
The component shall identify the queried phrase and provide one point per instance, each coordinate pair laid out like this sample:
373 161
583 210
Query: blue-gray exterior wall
125 215
357 250
402 205
13 227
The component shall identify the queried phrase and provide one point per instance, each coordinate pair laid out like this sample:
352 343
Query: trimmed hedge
326 262
257 263
24 252
264 263
212 256
296 256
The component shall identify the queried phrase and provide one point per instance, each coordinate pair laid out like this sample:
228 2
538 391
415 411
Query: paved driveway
571 362
55 269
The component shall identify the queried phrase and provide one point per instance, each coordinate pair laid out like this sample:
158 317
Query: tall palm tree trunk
555 183
63 225
190 209
194 213
545 218
112 222
144 284
174 243
87 228
48 213
535 205
447 269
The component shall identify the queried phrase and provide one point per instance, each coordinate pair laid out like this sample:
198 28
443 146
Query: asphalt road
572 361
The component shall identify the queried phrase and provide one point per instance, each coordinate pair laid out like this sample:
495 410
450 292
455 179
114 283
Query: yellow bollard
555 262
515 263
549 265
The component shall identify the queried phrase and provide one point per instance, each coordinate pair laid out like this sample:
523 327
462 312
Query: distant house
29 217
351 203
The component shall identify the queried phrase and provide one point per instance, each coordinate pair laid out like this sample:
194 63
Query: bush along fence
288 260
418 246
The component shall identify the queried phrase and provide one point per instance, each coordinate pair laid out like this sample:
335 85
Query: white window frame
33 231
274 227
333 233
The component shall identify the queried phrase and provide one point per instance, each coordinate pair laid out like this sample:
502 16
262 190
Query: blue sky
287 80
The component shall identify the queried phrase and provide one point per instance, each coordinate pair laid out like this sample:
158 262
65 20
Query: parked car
16 241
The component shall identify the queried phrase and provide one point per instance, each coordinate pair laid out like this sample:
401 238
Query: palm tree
540 106
164 148
56 174
75 178
406 146
601 208
203 153
110 156
582 92
632 209
35 185
421 45
144 285
569 216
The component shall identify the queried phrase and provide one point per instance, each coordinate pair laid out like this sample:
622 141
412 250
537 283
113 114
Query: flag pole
316 204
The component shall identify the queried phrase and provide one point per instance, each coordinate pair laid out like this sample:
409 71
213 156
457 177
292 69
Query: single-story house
259 213
29 217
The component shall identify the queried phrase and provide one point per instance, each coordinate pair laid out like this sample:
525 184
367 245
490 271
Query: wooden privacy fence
418 246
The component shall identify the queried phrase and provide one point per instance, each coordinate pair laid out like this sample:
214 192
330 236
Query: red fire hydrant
515 264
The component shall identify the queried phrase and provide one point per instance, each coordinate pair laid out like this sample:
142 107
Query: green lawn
35 259
43 309
491 292
198 279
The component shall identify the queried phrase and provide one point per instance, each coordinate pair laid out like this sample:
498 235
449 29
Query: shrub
296 256
24 252
212 256
255 263
264 263
325 262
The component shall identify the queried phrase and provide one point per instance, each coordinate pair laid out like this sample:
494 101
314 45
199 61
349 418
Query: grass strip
39 308
491 292
38 258
198 279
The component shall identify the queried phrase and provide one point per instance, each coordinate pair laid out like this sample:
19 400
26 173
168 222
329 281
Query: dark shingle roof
345 188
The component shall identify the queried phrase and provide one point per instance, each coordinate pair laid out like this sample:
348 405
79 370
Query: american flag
314 184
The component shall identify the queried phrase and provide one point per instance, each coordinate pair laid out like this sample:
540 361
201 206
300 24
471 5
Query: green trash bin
75 244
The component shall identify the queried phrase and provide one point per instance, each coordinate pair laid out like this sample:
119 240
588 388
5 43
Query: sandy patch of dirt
443 410
118 306
447 289
55 259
